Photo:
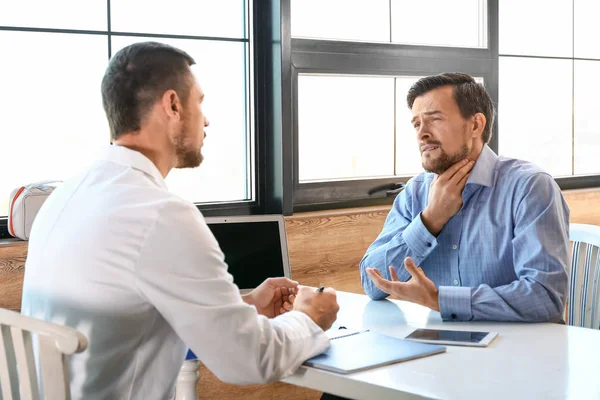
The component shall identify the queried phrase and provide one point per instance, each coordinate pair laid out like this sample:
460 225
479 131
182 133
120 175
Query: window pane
408 155
221 72
440 22
345 127
536 27
52 95
587 130
587 29
59 14
535 112
222 18
356 20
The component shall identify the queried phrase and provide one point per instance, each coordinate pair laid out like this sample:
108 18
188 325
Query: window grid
322 56
573 60
227 207
350 58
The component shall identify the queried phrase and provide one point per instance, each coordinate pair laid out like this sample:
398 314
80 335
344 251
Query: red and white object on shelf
24 204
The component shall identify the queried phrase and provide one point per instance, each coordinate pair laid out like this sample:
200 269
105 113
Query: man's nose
422 132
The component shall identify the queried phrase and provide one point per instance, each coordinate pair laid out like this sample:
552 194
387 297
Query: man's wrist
433 226
435 302
248 298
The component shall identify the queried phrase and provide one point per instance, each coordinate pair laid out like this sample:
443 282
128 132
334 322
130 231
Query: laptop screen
252 250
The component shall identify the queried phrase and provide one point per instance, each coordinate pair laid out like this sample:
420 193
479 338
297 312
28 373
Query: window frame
388 59
363 58
264 26
585 181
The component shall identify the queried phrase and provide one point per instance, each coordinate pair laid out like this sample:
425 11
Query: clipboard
361 350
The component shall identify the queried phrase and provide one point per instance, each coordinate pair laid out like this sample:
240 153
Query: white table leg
187 381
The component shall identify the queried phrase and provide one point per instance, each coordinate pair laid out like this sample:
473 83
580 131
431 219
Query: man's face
442 132
189 141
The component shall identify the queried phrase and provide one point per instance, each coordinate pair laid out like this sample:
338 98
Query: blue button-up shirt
502 257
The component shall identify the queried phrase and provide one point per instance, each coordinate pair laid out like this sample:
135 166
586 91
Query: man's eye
417 126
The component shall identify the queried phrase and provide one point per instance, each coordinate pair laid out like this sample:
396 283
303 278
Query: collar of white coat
134 159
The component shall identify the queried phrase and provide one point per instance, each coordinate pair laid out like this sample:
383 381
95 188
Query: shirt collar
483 171
130 158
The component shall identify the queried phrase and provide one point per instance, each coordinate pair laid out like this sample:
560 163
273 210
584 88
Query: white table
526 361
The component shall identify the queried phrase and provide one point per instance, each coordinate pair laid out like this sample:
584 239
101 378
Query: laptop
255 247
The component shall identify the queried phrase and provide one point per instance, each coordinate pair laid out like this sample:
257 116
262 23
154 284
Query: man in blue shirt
477 236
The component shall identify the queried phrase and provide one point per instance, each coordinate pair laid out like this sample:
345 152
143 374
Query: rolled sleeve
455 303
418 239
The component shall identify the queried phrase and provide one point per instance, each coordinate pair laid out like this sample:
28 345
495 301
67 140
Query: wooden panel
326 247
210 388
584 205
12 263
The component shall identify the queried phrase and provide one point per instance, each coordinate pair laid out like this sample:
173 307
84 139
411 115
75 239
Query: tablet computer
456 338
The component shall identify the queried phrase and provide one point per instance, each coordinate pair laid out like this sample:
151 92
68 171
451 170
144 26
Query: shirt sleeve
182 273
403 235
540 254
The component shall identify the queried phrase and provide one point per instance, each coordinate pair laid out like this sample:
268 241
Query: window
59 50
412 22
395 21
55 127
547 85
221 72
537 59
355 20
346 127
219 19
586 29
352 127
59 14
586 132
536 28
350 79
534 116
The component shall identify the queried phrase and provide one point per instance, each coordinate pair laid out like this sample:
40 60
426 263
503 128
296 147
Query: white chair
583 304
18 373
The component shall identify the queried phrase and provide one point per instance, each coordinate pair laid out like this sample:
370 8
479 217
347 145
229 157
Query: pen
320 289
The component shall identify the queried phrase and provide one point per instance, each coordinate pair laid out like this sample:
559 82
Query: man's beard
187 156
444 161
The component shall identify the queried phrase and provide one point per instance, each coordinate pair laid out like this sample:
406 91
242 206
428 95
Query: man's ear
479 122
171 104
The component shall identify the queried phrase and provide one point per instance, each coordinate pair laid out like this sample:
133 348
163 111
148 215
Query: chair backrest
583 302
18 367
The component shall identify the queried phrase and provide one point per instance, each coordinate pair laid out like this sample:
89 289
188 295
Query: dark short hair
470 96
136 77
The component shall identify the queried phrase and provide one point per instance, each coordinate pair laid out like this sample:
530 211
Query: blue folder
365 350
190 355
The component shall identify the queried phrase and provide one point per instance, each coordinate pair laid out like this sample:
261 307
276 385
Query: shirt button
454 246
453 316
428 244
456 281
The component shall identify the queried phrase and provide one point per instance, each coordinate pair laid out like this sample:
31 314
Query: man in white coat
136 269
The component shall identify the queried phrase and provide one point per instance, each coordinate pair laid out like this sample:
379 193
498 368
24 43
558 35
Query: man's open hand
419 289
